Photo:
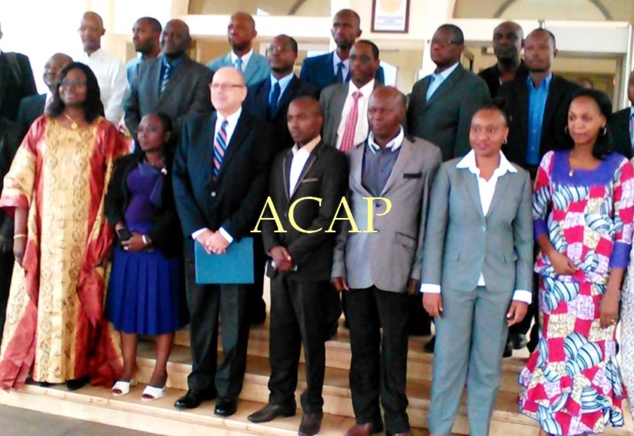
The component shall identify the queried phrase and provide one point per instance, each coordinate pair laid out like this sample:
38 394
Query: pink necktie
347 140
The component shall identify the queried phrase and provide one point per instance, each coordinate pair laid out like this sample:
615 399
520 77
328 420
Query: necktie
239 65
347 141
339 76
167 73
431 88
220 146
275 96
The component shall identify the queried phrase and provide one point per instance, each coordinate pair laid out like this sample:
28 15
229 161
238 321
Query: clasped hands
282 259
213 242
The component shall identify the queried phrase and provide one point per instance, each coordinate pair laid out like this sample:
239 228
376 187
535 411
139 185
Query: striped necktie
167 74
349 130
220 146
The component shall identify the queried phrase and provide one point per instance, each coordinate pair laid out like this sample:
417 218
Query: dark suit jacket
319 71
619 127
30 108
16 82
165 232
257 103
10 136
491 76
515 96
236 199
187 93
445 119
325 176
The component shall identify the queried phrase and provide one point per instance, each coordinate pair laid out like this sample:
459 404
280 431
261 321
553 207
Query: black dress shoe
519 341
192 399
311 424
78 383
226 407
272 411
429 346
508 349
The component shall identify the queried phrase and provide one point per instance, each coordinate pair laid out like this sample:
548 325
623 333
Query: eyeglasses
444 42
224 86
278 48
73 84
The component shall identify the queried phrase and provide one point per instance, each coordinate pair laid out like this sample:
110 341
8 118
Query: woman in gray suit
477 271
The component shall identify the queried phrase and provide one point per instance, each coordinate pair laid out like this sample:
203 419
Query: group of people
499 213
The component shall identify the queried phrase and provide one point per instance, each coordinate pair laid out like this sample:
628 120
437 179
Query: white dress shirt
111 76
362 129
486 189
245 59
232 122
437 79
300 156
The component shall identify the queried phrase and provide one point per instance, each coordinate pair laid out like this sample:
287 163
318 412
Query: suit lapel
235 143
500 189
286 170
206 153
179 75
338 101
307 166
555 94
287 96
355 156
446 86
155 82
471 182
399 166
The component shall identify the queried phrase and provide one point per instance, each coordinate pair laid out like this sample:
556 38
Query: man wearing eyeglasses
442 104
220 179
172 83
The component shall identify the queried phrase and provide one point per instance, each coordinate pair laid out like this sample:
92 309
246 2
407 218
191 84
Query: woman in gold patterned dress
55 331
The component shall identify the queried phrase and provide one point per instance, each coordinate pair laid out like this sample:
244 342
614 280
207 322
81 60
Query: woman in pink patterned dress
583 208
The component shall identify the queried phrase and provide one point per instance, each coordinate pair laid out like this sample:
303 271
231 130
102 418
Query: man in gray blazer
477 274
172 83
241 33
377 269
442 104
338 100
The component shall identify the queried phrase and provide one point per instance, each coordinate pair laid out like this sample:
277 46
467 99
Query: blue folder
231 268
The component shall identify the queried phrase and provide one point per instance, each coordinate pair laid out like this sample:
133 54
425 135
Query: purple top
145 184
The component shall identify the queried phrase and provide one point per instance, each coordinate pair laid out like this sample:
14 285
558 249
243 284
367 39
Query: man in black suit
301 262
172 83
621 124
10 136
220 178
269 100
16 82
33 106
508 40
537 107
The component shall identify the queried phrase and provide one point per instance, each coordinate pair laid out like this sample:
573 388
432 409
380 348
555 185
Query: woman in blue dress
146 290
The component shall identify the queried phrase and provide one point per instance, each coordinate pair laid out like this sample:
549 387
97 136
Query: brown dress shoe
360 430
311 424
272 411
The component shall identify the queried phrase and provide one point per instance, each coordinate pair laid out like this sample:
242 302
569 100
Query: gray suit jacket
461 243
187 93
445 119
395 251
257 69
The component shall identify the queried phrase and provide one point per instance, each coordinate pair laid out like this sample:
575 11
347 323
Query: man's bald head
175 38
228 90
54 65
241 32
91 30
508 39
386 110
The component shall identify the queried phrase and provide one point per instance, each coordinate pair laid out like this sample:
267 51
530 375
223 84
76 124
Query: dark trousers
297 318
379 367
6 270
209 307
256 307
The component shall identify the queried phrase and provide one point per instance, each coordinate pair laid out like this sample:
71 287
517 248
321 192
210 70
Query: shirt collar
284 81
231 119
393 145
174 62
245 58
95 53
469 162
543 84
308 148
336 59
444 74
366 89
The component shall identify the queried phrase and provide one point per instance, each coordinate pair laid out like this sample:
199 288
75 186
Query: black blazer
325 176
31 108
257 103
235 200
515 96
16 82
619 127
165 231
10 137
491 76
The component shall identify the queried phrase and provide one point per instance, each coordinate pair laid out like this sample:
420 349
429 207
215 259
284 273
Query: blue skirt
146 293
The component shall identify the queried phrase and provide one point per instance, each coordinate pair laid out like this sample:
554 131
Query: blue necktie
275 96
167 74
339 76
239 65
220 146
